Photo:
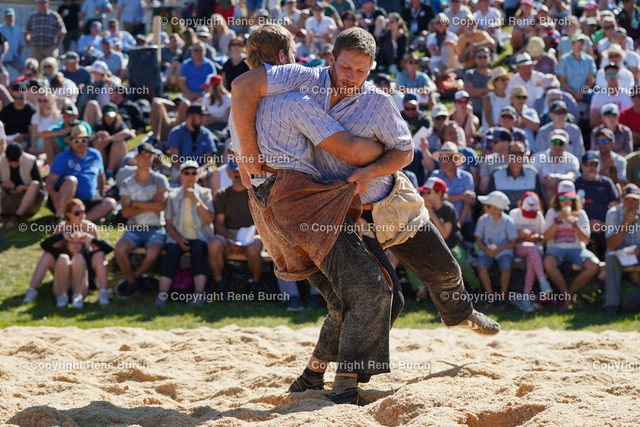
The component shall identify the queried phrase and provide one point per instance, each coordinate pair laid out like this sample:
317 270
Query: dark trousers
429 258
355 333
173 252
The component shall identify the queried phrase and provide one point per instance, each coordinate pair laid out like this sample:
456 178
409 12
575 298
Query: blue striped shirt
288 126
370 113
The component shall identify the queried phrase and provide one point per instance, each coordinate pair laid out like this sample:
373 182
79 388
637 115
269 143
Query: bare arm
247 89
391 162
132 208
352 149
220 228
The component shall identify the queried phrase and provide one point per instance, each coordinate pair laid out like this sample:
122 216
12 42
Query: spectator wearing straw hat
623 137
622 224
615 54
544 63
496 97
78 172
527 77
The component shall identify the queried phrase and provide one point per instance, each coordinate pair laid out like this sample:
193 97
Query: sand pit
234 376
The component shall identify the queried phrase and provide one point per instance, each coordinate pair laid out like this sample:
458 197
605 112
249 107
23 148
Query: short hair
265 43
355 39
518 144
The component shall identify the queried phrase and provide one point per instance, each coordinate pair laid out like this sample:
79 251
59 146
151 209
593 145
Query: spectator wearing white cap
566 236
613 94
440 118
526 76
615 54
91 44
623 137
558 114
622 223
96 95
556 164
496 235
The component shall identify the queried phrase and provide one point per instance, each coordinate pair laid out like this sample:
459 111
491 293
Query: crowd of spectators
530 155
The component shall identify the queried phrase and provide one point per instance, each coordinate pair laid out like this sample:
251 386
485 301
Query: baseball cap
410 98
434 183
558 106
99 67
560 134
145 147
530 204
579 36
500 133
591 5
110 109
382 79
590 156
70 109
566 188
189 164
212 79
606 132
523 59
439 110
10 12
610 109
509 110
71 55
631 191
13 152
197 109
461 94
495 198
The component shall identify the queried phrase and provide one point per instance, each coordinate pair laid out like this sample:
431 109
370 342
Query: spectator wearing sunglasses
615 54
477 78
527 77
558 114
614 94
623 136
463 115
622 220
526 117
17 116
470 40
597 193
78 172
612 164
189 214
567 235
555 164
411 79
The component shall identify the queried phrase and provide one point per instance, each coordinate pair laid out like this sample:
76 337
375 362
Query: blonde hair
50 60
51 101
218 25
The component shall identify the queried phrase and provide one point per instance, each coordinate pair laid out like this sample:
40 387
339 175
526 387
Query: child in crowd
496 236
530 223
567 234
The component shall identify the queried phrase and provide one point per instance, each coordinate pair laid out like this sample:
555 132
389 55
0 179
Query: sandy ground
234 376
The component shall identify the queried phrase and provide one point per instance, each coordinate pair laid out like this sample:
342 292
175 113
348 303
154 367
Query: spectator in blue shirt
78 172
13 34
191 141
194 72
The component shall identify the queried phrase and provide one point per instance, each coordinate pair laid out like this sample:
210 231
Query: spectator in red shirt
631 117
